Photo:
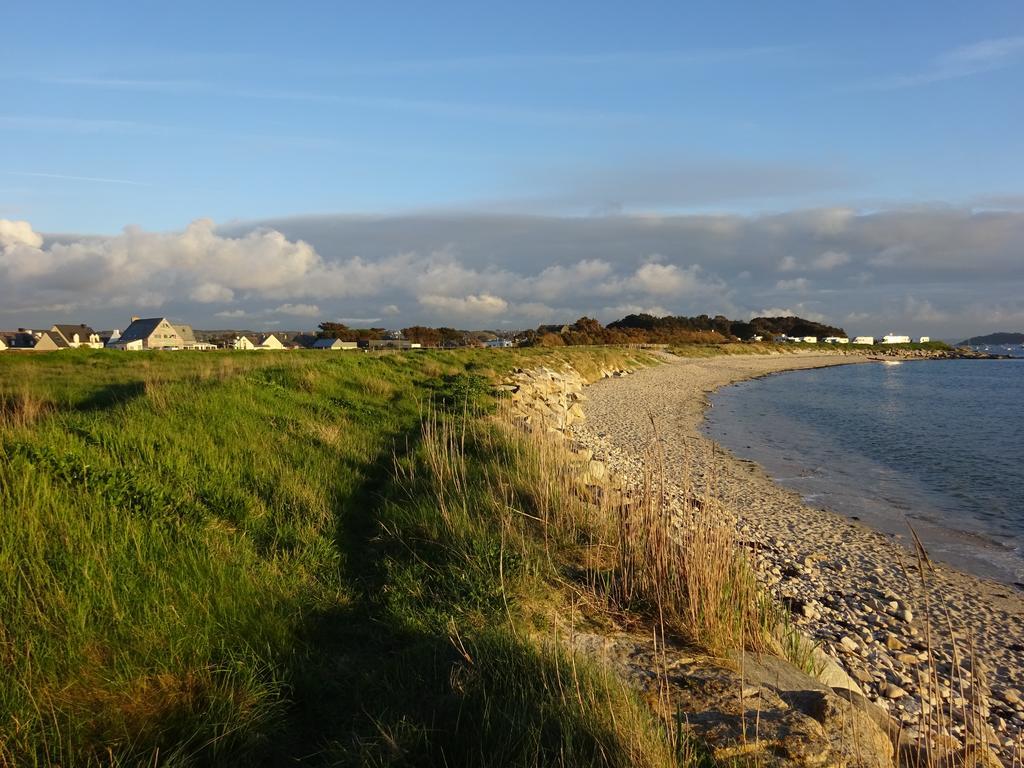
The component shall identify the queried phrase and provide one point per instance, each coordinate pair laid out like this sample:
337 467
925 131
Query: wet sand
854 590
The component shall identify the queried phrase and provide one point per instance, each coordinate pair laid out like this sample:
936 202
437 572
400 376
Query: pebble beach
942 649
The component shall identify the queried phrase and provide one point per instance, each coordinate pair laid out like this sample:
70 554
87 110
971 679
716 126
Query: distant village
159 333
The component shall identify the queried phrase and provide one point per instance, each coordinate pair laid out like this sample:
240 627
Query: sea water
936 445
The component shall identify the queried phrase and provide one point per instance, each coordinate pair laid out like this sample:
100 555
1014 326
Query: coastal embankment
937 648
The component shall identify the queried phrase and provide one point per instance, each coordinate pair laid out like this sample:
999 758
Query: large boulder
750 710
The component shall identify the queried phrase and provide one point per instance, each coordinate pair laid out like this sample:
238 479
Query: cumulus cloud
796 284
922 310
297 310
14 233
824 262
209 293
481 271
774 312
829 260
483 304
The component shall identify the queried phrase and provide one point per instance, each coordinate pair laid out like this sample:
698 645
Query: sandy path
850 583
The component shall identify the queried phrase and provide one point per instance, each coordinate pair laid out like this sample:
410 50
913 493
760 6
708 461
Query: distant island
993 338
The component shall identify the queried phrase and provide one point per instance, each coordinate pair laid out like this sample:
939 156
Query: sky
267 165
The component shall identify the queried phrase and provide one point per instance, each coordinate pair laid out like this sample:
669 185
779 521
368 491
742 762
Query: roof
69 331
16 338
331 343
186 333
58 341
299 339
141 329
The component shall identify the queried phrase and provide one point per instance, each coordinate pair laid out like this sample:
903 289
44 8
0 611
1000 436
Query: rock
893 643
848 644
893 691
830 674
862 675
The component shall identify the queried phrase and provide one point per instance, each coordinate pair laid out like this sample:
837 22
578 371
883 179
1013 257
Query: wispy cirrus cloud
128 84
964 61
70 177
77 124
597 59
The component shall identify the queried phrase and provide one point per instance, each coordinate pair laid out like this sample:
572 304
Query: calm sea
937 443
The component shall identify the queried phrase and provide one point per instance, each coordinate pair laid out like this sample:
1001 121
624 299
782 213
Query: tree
330 330
421 334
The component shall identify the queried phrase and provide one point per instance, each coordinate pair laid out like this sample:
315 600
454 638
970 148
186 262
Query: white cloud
297 310
474 305
18 233
210 293
774 312
621 310
481 271
972 59
799 284
922 311
823 262
829 260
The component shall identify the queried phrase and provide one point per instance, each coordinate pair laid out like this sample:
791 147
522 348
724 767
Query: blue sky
156 114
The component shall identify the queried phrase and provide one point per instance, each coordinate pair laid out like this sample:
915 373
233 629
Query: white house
334 344
809 339
269 341
499 343
148 333
891 338
836 340
242 342
76 336
869 340
924 339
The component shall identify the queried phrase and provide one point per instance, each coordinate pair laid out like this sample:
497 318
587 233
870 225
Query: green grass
241 558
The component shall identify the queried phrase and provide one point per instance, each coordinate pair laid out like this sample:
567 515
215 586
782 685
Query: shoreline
853 589
974 551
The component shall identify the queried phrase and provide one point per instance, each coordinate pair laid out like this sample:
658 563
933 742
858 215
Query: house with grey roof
77 336
47 341
26 338
334 344
19 339
149 333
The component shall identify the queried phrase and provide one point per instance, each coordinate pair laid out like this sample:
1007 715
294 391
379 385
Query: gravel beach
852 589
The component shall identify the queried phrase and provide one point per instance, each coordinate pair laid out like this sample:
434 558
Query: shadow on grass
110 396
378 684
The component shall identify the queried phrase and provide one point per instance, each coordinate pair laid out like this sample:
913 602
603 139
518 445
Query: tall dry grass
953 699
640 553
21 408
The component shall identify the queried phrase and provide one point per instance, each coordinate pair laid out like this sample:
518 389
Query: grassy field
287 558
